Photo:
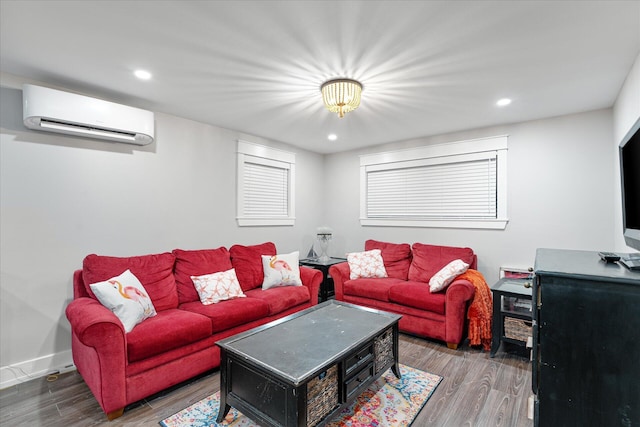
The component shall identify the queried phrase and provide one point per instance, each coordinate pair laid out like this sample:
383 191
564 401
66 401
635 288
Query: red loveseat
178 343
439 315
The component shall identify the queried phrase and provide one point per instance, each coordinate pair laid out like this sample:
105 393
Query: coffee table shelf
299 370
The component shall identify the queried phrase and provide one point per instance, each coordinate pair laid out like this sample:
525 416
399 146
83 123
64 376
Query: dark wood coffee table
301 369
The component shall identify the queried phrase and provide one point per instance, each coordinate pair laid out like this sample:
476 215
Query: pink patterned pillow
366 264
444 277
216 287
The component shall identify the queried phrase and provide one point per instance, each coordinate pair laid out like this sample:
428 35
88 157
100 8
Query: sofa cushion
228 314
155 272
125 296
418 295
281 298
215 287
396 257
247 260
197 263
375 288
429 259
168 330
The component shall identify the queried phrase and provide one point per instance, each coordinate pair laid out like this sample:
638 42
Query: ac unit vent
67 113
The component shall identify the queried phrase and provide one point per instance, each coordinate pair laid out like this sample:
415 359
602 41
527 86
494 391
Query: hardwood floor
476 391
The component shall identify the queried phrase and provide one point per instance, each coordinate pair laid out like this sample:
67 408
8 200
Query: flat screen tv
630 175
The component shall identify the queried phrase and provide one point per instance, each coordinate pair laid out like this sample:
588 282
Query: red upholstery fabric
98 347
154 374
376 288
429 259
247 260
168 330
282 298
396 257
155 272
413 320
197 263
229 313
311 279
418 295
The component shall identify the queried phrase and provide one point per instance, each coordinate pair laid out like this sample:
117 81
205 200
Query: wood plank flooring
476 391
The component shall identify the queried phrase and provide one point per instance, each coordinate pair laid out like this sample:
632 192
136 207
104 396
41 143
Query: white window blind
266 179
456 185
461 190
266 191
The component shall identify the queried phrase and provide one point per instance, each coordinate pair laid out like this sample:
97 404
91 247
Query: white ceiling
428 67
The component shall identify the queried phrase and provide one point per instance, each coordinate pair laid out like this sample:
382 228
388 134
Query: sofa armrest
98 344
340 274
312 279
458 295
94 324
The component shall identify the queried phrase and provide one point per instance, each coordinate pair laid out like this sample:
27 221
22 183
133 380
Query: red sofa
179 342
439 315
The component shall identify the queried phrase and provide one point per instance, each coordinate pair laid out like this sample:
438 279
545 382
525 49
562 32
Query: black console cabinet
586 330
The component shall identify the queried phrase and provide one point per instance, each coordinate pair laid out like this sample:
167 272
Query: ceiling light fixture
341 95
332 137
503 102
142 74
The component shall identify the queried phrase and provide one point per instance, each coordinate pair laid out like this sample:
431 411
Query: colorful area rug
388 402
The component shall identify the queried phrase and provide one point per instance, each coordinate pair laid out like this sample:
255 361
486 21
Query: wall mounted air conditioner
62 112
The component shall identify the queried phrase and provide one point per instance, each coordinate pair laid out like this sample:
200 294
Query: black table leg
224 407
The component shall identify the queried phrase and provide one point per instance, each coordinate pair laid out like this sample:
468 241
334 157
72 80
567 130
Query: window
266 179
456 185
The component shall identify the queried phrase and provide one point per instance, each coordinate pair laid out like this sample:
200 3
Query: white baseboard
35 368
530 406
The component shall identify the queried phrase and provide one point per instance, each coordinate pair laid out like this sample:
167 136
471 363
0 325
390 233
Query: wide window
265 185
456 185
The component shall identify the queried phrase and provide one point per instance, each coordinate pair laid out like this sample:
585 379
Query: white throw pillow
445 276
281 270
366 264
125 296
215 287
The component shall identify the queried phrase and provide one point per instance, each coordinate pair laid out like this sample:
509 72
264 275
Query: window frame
452 152
249 152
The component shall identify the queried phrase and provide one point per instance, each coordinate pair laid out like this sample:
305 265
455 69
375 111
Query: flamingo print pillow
215 287
125 296
281 270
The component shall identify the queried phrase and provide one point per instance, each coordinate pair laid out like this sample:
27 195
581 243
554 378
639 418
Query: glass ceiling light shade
341 95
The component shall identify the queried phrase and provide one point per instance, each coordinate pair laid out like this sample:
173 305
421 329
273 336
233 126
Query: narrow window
265 185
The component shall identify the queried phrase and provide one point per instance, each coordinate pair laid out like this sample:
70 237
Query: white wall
63 198
560 193
626 112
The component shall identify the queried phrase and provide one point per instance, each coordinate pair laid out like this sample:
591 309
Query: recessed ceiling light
332 137
142 74
503 102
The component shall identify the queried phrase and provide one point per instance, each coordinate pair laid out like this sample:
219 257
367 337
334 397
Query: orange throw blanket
480 311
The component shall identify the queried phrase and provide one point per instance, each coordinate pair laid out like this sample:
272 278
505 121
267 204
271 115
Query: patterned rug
388 402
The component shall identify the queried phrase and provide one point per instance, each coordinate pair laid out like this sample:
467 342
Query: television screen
630 174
